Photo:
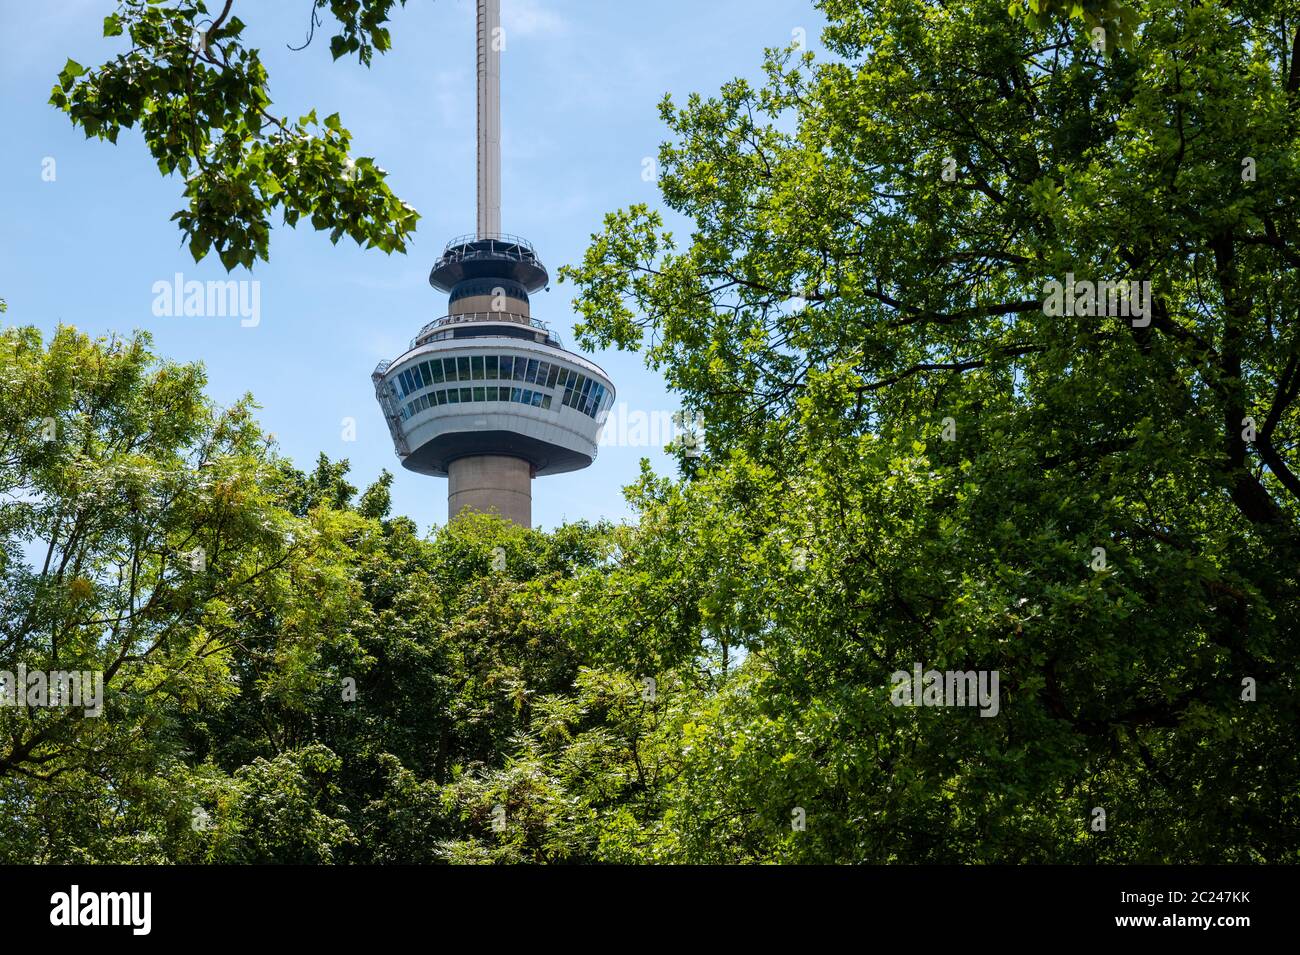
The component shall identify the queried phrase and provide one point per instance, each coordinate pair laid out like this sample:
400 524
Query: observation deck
498 256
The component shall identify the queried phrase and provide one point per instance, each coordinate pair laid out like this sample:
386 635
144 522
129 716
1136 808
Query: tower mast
489 118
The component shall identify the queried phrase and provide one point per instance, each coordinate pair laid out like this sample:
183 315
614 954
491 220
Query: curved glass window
573 390
525 396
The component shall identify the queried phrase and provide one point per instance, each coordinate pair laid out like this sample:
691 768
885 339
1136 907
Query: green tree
859 316
143 538
201 100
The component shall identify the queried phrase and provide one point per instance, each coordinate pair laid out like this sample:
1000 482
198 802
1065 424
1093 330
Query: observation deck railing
496 244
438 324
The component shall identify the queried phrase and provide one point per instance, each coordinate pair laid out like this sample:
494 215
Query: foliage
201 100
844 306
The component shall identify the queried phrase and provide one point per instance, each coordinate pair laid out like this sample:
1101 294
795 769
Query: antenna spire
489 117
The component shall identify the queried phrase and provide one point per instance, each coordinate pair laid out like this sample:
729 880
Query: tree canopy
859 316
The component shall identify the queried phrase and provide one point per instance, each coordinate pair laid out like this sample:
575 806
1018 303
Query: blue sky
580 83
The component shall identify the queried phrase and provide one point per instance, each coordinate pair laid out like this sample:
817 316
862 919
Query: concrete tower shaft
489 483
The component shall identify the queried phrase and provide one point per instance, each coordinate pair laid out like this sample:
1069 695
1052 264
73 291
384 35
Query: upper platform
489 257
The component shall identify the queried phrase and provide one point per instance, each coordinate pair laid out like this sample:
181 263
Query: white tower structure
486 395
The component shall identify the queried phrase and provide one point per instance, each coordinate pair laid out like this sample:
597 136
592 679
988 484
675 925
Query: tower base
491 484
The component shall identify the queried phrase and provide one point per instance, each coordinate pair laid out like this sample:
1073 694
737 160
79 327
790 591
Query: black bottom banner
143 905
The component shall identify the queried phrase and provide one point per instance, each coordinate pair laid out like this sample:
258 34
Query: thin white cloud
451 89
529 18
